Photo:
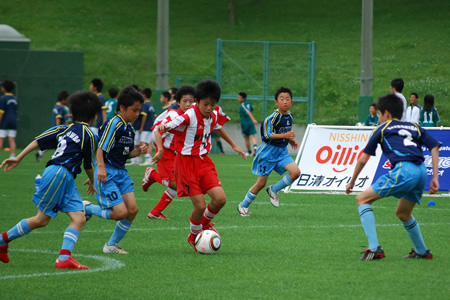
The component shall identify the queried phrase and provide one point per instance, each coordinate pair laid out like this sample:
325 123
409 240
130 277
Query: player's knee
294 174
220 201
133 211
403 216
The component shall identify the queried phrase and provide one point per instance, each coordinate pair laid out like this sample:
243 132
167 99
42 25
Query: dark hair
63 95
374 105
428 102
392 104
84 105
243 95
207 89
128 96
415 94
166 95
113 92
147 92
173 90
8 85
283 90
184 90
398 84
98 83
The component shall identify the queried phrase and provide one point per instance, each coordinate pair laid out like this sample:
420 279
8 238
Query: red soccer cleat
69 263
148 180
191 241
159 216
4 256
209 226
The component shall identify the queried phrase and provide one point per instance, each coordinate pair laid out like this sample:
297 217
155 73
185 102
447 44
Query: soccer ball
207 242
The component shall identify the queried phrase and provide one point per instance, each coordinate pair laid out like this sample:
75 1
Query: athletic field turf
306 249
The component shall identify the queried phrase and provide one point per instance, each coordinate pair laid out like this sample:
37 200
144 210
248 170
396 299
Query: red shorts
195 175
166 165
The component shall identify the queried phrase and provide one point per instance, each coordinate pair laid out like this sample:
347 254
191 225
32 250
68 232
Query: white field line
108 264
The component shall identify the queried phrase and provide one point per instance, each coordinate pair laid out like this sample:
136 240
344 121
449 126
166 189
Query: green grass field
118 39
306 249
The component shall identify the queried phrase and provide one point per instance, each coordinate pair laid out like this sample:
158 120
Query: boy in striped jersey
272 154
401 143
166 152
75 145
195 172
115 188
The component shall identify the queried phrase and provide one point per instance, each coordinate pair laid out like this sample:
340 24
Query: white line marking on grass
108 264
240 227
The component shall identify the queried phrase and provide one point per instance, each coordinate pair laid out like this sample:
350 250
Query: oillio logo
340 157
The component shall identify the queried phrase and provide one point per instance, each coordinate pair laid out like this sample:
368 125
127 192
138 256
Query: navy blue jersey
100 115
400 141
74 144
117 141
149 111
276 123
8 106
59 112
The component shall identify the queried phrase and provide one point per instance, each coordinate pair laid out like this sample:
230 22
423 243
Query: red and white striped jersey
195 139
168 138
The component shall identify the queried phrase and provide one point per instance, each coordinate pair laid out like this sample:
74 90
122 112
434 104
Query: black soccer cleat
371 255
413 254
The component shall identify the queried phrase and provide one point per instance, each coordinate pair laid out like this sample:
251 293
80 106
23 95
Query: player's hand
143 148
293 144
240 152
349 188
10 163
434 186
102 174
91 189
163 128
255 122
290 135
158 156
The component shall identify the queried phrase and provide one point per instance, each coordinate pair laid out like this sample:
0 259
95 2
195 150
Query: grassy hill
119 42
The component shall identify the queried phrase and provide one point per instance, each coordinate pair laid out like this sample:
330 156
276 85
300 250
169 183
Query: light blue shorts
406 180
269 158
118 182
57 192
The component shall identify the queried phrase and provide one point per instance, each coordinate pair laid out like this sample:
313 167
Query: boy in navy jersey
115 188
8 116
401 142
272 154
75 145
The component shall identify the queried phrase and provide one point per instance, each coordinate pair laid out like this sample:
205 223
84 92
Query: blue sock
248 199
98 211
413 230
284 182
121 229
69 241
17 231
368 222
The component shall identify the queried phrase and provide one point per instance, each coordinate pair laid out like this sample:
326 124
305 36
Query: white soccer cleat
86 203
114 249
243 210
273 197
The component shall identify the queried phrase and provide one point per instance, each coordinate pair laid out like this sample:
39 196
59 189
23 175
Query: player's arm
101 173
434 184
90 182
1 115
293 144
159 144
358 168
11 163
287 135
223 134
253 118
144 118
138 151
104 113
